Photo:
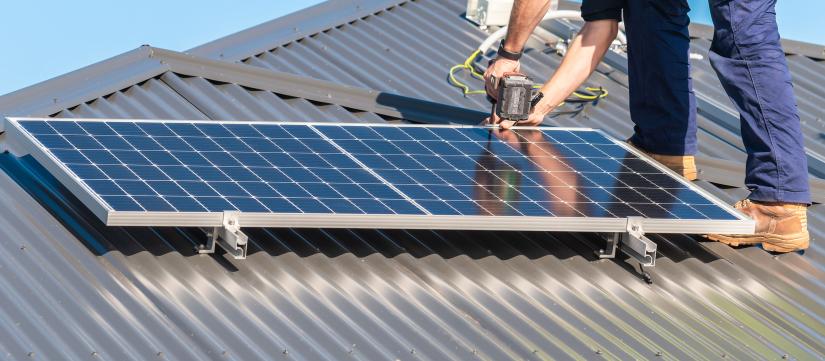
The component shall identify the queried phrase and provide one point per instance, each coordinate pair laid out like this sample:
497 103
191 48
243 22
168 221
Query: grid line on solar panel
633 203
417 168
240 178
373 173
425 186
366 170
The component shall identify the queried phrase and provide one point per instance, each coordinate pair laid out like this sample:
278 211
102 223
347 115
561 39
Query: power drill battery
515 97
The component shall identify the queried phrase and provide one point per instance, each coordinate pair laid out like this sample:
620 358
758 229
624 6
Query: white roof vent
493 12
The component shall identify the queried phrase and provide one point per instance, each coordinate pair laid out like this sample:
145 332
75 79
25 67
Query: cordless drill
515 96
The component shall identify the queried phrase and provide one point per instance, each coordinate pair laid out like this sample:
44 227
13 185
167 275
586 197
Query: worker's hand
536 117
534 120
497 68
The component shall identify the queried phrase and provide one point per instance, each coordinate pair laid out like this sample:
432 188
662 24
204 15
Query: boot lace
743 204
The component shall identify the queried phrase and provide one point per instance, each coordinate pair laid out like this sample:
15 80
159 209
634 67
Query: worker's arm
584 54
524 18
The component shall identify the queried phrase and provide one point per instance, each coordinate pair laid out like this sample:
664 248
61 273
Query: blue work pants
750 63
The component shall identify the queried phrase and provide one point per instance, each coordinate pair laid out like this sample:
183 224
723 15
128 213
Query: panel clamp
633 243
228 236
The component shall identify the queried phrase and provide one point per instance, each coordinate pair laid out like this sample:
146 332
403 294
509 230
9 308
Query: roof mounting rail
228 236
633 243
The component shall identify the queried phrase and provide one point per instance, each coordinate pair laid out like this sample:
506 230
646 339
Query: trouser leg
662 102
751 65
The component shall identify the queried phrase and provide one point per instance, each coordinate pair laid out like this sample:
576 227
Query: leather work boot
684 165
780 227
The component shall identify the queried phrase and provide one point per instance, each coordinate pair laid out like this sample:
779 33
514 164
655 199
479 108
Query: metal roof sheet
74 289
119 75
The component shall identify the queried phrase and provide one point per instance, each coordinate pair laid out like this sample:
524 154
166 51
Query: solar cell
322 169
213 167
535 172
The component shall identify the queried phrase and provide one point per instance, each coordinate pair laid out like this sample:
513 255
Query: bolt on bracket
228 236
632 242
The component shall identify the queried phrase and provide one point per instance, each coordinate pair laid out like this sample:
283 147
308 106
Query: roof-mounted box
493 12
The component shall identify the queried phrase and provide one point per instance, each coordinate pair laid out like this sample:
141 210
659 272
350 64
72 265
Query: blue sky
798 19
44 39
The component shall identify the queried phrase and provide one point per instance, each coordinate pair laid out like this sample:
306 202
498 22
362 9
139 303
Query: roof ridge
53 94
146 62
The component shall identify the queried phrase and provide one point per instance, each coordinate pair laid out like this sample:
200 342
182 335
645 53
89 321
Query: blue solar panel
527 172
156 166
181 167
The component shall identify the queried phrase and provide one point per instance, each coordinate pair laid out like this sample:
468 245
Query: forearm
583 56
524 18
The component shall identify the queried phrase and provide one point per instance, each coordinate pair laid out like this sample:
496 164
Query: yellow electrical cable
600 93
468 64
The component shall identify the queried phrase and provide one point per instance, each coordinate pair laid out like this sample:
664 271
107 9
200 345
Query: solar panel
186 173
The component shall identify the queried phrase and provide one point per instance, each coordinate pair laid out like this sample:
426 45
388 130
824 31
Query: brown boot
684 165
780 227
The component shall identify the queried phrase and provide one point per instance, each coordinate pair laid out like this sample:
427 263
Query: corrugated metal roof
75 289
74 286
180 76
175 96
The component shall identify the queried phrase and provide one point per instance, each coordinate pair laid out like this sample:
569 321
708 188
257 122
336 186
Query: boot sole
771 243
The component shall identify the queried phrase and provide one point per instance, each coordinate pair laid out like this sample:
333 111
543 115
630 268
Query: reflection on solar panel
287 174
560 173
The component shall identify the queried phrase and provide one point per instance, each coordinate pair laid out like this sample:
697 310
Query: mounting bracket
228 236
633 243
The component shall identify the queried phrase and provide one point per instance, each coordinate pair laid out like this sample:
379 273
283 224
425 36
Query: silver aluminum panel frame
440 222
21 143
